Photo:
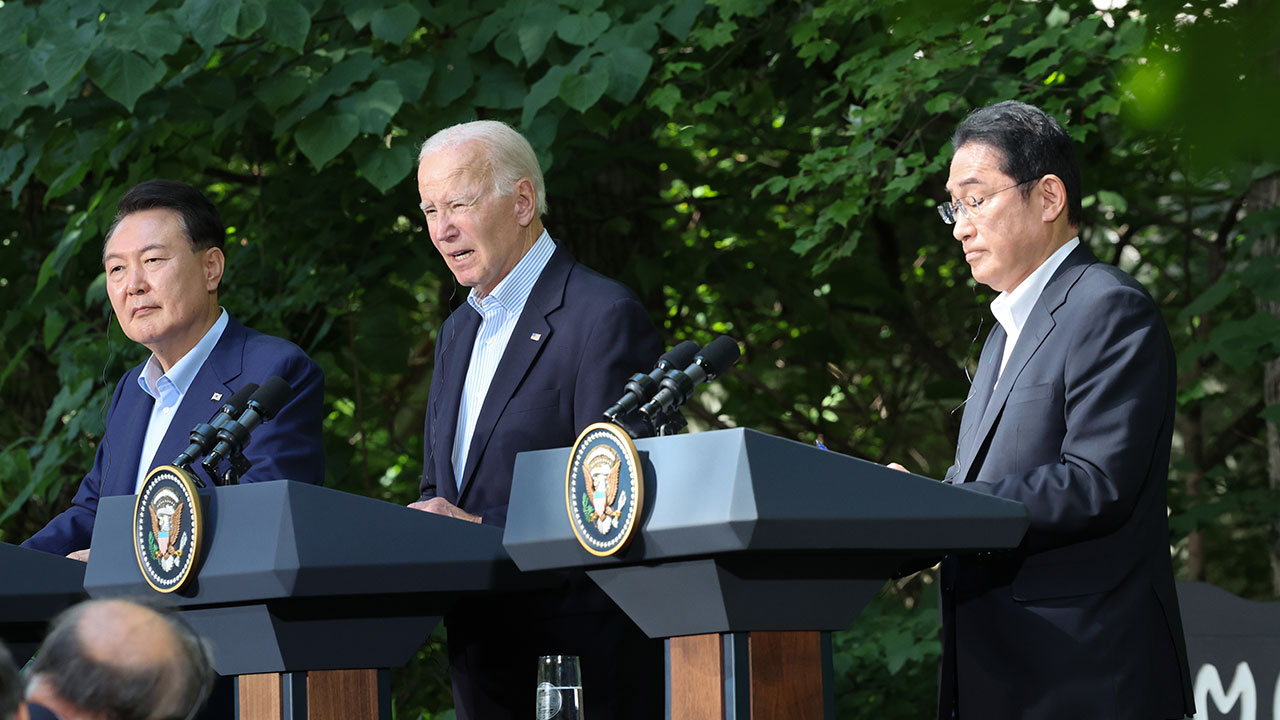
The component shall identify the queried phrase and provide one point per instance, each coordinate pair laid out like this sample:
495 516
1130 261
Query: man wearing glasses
1071 414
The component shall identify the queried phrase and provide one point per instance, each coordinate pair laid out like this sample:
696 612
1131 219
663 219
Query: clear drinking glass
559 688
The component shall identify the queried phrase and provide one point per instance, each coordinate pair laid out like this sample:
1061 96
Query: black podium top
285 539
744 492
35 587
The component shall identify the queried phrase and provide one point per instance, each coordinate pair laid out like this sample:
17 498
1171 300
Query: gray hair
10 686
510 156
160 691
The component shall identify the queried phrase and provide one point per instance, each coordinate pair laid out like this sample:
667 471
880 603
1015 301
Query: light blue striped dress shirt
499 312
168 389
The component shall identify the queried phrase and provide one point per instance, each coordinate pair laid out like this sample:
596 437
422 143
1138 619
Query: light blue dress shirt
499 312
168 389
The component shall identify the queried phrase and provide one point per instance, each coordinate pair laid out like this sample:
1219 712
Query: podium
308 594
36 586
750 549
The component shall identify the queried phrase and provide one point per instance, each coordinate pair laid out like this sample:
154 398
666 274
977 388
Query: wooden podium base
315 695
750 676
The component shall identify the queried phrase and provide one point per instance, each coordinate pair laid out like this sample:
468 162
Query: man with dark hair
117 660
163 263
1071 414
542 346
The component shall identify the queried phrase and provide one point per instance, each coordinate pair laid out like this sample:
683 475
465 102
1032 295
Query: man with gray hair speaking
538 351
117 660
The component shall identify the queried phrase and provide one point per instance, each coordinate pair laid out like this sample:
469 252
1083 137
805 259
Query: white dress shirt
499 312
168 389
1012 308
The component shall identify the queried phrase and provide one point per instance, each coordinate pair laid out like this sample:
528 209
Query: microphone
233 436
677 386
203 435
641 387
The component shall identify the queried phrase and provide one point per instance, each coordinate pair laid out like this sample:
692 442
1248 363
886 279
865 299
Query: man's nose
137 281
963 228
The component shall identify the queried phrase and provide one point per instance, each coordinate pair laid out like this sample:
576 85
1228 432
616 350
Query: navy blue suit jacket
579 338
287 447
1082 619
591 335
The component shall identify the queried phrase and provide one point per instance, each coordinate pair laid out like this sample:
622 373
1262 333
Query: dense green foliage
766 170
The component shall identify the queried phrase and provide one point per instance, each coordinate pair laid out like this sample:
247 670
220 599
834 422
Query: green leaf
54 323
288 24
582 29
411 76
542 92
582 91
123 75
72 238
500 87
665 99
1243 343
250 18
384 167
67 180
9 159
1271 414
375 106
65 60
322 137
628 69
1261 275
153 36
453 75
360 12
281 89
681 17
536 28
1208 300
394 24
203 20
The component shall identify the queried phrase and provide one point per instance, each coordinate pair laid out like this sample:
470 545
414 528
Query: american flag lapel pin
535 337
216 397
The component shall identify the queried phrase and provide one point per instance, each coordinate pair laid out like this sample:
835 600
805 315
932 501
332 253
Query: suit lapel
455 358
224 364
1039 324
122 479
531 334
979 394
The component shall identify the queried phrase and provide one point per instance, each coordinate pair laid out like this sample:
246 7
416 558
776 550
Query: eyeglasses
970 207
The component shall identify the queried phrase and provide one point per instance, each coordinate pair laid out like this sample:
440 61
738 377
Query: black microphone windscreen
721 353
272 396
240 399
681 355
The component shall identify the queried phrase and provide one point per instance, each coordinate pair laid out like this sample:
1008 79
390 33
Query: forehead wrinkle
144 249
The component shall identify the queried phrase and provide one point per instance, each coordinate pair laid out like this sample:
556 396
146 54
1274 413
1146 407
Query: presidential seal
604 489
167 528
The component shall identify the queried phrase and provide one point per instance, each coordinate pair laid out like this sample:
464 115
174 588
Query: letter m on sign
1243 692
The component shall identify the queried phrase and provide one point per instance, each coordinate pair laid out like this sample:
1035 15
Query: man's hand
896 466
439 506
81 555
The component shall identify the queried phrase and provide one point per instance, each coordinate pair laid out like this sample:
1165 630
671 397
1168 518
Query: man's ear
214 263
526 202
1052 194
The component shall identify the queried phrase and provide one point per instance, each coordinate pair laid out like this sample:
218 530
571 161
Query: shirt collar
184 371
1012 308
512 292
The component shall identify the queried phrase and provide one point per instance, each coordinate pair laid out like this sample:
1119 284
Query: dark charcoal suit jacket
1082 619
288 447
